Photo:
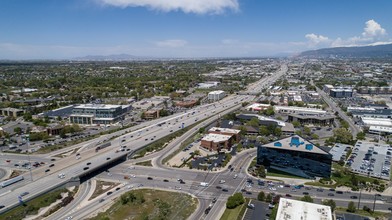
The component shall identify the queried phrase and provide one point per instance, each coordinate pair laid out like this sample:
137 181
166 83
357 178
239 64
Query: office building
216 95
322 119
296 156
89 114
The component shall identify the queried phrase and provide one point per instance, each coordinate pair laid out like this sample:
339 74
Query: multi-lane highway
136 137
47 176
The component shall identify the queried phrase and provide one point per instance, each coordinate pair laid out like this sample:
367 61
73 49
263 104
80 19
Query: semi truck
11 181
102 146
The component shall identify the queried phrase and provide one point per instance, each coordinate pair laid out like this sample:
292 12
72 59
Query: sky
65 29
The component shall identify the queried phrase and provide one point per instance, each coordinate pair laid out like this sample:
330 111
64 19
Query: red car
8 161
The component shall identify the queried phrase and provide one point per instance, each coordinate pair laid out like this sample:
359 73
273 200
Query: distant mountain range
377 51
114 57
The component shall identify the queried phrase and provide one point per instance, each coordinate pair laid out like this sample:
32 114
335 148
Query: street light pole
374 202
360 194
28 155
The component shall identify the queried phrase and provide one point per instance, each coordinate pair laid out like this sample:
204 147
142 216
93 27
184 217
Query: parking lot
371 159
339 151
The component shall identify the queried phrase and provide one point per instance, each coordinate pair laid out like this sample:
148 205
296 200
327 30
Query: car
339 192
8 161
51 165
146 139
52 159
225 190
214 200
152 138
101 200
47 170
24 194
288 195
78 154
171 130
149 178
331 194
2 206
320 190
109 193
235 176
89 163
165 180
182 182
305 193
248 193
353 197
118 188
207 210
86 168
107 158
332 190
218 187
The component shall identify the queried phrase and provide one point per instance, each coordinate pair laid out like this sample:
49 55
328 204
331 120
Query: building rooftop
387 122
97 106
295 143
216 137
300 109
225 130
217 92
320 116
262 118
290 209
380 129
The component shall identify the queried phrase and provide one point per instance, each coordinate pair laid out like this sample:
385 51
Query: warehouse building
290 209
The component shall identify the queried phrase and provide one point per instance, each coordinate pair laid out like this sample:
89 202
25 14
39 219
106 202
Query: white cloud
187 6
373 34
373 30
172 43
315 39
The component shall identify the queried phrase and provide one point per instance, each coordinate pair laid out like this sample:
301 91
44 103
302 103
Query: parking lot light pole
374 202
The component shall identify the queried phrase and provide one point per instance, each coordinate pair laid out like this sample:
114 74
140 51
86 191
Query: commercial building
296 156
90 114
367 122
375 90
216 95
327 88
219 139
216 142
322 119
226 131
287 128
341 92
298 110
370 113
152 113
13 112
186 104
381 130
256 107
290 209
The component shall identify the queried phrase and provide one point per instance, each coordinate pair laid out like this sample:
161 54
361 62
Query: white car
235 176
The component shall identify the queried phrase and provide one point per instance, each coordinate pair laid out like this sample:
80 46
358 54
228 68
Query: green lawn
375 214
150 204
278 173
236 213
145 163
32 207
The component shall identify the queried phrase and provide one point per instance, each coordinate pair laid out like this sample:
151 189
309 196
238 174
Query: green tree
235 200
268 198
261 196
269 111
254 122
261 171
307 198
296 124
277 131
315 136
264 130
361 136
307 130
351 207
330 203
343 136
18 130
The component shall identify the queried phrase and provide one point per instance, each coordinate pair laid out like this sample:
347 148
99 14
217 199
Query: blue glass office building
297 156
